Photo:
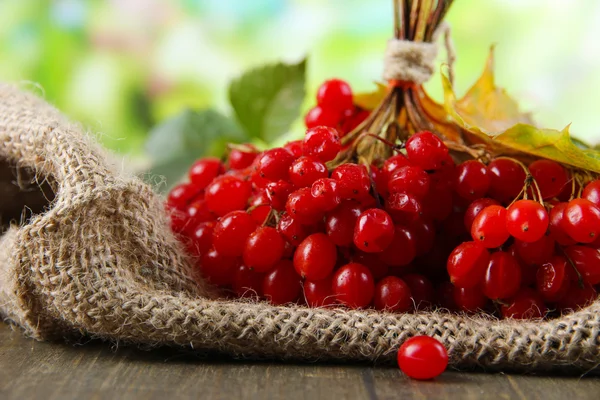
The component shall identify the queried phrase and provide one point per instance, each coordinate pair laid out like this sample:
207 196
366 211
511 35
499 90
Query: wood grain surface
96 370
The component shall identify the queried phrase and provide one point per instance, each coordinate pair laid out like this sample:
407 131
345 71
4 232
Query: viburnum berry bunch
424 228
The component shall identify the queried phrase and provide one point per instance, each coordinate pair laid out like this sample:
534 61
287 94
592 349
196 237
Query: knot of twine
414 62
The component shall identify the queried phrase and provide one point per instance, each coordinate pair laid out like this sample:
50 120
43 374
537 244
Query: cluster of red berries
414 231
335 108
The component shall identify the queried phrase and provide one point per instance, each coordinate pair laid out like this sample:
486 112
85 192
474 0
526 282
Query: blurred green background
122 66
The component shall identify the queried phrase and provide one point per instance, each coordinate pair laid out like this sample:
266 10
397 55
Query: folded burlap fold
100 261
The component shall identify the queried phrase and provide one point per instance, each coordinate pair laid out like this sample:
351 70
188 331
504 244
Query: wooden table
94 370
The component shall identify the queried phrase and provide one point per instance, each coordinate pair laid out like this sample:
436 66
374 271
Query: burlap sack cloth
99 261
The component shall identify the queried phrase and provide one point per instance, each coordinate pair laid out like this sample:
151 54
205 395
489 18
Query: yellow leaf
369 101
488 115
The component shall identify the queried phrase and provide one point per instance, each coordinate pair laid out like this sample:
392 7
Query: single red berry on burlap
422 358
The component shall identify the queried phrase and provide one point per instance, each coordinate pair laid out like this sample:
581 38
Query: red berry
282 284
205 170
202 238
502 277
303 207
294 147
241 157
472 180
527 304
552 280
319 293
393 164
591 192
475 208
421 289
557 230
422 358
581 220
353 285
438 203
374 231
402 250
196 213
445 296
322 116
340 222
535 253
378 269
335 94
325 192
259 207
293 231
322 143
182 195
550 176
587 262
353 181
274 164
218 268
467 263
231 233
403 207
577 297
409 179
263 249
278 193
315 257
489 227
392 294
424 234
247 282
306 170
469 300
527 220
426 150
227 193
507 179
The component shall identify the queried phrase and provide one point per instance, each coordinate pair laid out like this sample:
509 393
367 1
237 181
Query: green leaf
267 100
176 143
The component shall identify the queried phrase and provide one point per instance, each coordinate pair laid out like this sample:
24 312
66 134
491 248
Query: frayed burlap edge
100 261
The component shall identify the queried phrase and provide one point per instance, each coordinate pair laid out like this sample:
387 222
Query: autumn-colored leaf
488 115
370 100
